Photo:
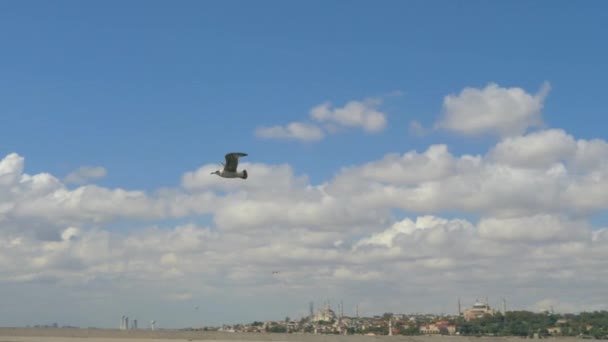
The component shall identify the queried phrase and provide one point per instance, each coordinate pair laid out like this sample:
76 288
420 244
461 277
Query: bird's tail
244 176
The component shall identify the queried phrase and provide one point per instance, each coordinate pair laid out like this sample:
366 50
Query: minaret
390 326
459 308
504 306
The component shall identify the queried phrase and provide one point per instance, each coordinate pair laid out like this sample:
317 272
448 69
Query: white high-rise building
124 323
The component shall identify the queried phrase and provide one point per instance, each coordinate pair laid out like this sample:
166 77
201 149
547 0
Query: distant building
478 310
326 314
441 327
124 323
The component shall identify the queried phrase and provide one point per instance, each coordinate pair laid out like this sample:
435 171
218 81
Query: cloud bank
421 226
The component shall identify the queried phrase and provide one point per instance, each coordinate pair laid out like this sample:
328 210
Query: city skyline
399 154
315 310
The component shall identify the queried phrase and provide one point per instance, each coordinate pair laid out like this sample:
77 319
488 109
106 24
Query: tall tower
357 310
311 306
341 309
459 307
390 326
127 323
504 306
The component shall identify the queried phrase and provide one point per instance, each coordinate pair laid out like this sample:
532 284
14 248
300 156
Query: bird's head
217 172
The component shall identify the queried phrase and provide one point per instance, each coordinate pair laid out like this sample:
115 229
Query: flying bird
230 168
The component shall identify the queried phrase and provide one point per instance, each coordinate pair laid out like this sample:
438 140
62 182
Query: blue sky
163 88
153 92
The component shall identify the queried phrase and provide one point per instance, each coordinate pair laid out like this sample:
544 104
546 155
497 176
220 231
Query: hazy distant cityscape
480 319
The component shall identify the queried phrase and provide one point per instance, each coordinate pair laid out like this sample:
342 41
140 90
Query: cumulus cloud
493 110
41 204
295 130
362 114
84 174
538 149
537 179
354 114
11 168
388 238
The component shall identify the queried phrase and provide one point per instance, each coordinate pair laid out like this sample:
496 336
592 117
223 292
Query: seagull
229 171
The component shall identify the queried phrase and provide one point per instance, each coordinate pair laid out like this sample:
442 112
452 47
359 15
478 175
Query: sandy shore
109 335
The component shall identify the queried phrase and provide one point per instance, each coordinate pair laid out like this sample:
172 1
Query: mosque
326 314
478 310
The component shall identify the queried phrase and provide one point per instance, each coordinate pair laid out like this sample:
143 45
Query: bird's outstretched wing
232 161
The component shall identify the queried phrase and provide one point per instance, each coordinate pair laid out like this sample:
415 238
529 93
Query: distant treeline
526 323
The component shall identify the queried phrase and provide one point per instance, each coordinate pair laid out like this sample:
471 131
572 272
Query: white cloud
407 227
295 130
410 168
85 174
536 179
362 114
494 110
354 114
537 228
591 154
41 204
11 168
70 233
538 149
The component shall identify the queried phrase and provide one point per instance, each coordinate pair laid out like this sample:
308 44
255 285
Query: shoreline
114 335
